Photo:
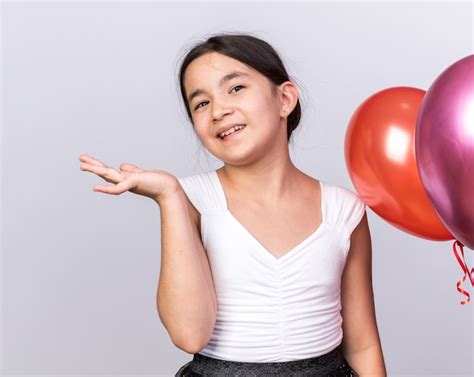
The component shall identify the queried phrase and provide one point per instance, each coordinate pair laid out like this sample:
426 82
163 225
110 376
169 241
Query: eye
237 86
198 105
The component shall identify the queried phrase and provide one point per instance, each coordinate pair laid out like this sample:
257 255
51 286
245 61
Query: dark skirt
331 364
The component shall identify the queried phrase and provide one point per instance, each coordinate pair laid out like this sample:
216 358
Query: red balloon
380 157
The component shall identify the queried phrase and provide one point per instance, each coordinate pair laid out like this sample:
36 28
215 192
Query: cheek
201 123
205 134
263 111
255 107
202 131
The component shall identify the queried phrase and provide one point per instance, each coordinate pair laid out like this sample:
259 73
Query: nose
220 109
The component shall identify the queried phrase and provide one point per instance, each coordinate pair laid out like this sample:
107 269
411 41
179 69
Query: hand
155 184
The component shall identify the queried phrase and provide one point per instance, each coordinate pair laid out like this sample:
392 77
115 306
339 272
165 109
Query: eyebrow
223 80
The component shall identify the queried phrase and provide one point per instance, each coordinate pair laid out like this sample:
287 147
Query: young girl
265 271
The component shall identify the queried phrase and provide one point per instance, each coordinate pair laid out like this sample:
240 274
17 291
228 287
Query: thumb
131 168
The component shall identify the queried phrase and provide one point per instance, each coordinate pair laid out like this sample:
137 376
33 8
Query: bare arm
186 297
361 343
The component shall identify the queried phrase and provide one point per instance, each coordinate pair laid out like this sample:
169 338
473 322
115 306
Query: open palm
155 184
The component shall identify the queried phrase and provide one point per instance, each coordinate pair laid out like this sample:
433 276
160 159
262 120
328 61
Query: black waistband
209 366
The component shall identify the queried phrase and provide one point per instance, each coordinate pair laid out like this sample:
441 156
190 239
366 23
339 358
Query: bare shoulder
310 184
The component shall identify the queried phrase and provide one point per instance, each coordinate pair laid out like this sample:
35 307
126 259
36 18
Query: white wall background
79 269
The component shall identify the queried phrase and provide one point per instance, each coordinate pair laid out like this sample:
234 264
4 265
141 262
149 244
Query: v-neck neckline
262 248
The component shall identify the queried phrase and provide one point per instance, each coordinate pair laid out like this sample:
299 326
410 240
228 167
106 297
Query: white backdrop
79 269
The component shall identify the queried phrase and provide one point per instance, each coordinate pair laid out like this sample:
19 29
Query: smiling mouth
232 134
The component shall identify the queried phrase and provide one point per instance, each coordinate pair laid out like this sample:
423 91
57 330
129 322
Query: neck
265 183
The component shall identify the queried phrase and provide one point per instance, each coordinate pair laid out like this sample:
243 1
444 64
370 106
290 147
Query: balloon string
464 267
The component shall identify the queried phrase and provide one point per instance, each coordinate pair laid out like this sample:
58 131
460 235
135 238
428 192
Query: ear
288 97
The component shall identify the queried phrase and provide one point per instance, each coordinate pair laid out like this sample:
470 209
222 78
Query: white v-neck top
274 309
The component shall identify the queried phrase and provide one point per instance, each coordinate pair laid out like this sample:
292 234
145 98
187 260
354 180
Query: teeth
233 129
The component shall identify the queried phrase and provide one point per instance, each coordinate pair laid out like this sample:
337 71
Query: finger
108 189
131 168
102 171
118 189
90 160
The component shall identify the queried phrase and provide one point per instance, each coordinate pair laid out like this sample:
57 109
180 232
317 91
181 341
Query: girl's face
221 92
